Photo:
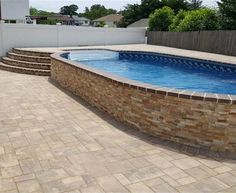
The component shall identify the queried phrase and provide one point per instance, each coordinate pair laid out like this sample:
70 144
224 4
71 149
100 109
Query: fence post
2 50
58 34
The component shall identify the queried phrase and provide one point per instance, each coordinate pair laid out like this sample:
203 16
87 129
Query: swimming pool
129 86
165 71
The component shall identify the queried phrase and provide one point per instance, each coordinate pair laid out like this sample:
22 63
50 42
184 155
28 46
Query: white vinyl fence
25 35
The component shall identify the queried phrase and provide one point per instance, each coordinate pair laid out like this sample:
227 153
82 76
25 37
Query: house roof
111 18
75 17
60 17
140 23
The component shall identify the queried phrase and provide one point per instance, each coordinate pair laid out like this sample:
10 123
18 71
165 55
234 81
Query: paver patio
53 142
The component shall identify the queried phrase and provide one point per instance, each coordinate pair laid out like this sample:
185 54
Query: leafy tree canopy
194 4
69 10
227 10
161 19
202 19
135 12
97 11
177 20
36 12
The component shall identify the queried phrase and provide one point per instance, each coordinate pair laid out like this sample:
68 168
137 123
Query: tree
36 12
33 11
135 12
161 19
202 19
97 11
228 14
149 6
195 4
176 5
69 10
131 13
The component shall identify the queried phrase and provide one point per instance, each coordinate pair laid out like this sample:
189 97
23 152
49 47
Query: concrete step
23 51
25 64
26 58
21 70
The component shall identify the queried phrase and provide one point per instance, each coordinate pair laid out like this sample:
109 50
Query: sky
54 5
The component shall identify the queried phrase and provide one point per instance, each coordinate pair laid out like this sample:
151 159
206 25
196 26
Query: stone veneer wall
196 123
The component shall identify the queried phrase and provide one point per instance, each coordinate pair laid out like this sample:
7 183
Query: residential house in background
56 18
109 20
63 19
81 21
14 11
142 23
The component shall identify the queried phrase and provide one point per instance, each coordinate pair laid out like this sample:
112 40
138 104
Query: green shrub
202 19
161 19
177 20
101 24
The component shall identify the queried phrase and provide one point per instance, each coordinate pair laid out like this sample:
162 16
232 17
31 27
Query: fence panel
220 42
23 35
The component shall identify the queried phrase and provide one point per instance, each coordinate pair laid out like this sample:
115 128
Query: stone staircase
27 62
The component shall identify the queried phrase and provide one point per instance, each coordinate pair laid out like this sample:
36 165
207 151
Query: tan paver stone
122 179
81 158
93 189
95 169
19 142
15 134
2 150
30 165
144 174
164 188
139 162
45 164
74 191
230 190
56 187
170 181
222 169
198 173
24 177
74 181
7 184
227 178
159 161
8 160
11 191
190 188
89 180
11 171
139 188
186 163
51 175
175 173
210 163
208 170
28 186
110 184
45 155
119 167
210 185
186 180
154 182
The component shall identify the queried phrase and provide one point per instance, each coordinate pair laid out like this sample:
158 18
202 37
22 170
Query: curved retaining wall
207 122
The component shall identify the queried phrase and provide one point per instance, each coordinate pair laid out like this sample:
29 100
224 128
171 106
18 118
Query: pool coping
172 92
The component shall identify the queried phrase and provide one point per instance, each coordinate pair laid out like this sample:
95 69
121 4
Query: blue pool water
166 71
